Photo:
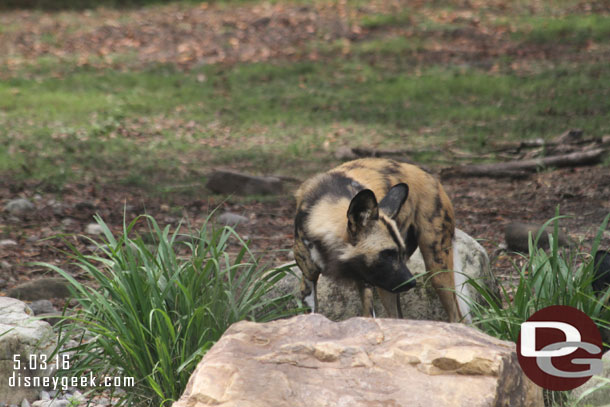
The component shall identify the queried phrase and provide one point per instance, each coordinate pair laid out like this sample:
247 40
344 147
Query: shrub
151 313
553 277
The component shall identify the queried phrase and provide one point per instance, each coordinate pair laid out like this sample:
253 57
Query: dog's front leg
391 303
309 294
366 296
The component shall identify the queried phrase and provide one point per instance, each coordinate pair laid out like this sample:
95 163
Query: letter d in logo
528 338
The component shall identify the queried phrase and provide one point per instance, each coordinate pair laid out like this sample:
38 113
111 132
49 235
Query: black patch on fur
352 165
411 240
438 207
392 169
335 184
299 222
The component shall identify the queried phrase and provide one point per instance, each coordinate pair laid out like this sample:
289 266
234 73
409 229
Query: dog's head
376 251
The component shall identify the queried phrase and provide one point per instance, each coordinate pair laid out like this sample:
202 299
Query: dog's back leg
438 257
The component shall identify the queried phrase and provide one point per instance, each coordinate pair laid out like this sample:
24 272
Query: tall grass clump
151 311
551 276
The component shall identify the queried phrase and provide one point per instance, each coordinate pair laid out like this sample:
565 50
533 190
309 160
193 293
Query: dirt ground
254 33
483 207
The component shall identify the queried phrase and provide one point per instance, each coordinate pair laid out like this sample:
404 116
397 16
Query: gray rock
600 396
7 242
42 307
5 265
231 219
45 395
25 403
22 335
51 403
68 222
342 301
94 229
232 182
76 396
40 289
19 206
516 235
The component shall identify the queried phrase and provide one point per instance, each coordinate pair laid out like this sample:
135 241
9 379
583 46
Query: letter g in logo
555 344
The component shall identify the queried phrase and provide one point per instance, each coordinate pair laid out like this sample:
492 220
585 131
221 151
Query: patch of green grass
373 21
571 29
157 126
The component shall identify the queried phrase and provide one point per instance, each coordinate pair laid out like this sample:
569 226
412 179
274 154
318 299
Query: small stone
19 206
44 395
67 222
42 307
345 154
5 265
231 219
85 206
7 242
31 239
77 396
94 229
25 403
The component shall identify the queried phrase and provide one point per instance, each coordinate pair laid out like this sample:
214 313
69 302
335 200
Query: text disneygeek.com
21 377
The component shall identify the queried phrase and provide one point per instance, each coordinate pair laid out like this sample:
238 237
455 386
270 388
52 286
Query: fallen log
521 168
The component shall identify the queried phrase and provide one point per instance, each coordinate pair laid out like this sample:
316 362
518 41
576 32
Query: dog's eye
389 254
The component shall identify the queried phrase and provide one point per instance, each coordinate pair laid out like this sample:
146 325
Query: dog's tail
461 287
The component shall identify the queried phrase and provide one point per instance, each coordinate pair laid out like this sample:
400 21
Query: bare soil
483 207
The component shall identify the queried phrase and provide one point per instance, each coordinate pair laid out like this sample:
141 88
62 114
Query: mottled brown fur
426 217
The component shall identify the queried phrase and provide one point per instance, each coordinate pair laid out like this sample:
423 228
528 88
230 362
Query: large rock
232 182
516 235
30 341
341 301
41 289
310 361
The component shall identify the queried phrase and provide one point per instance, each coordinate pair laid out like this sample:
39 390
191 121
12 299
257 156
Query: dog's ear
363 210
394 200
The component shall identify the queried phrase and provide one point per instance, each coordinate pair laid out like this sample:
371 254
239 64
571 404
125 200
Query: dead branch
521 168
